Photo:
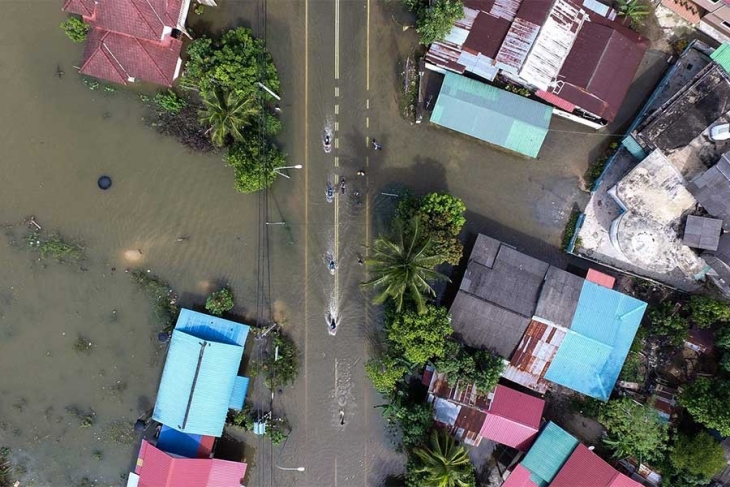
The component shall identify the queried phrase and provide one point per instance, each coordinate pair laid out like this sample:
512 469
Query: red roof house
156 468
513 418
132 40
587 469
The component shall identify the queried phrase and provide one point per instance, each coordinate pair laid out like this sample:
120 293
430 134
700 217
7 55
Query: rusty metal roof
516 45
486 35
461 393
534 355
553 44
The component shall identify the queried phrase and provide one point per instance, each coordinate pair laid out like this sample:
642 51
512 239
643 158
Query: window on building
726 24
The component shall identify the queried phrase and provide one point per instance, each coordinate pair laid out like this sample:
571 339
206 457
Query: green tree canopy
706 401
435 22
633 10
442 216
469 365
226 113
634 429
666 321
403 266
445 464
76 29
697 458
419 337
706 311
235 62
385 373
253 169
219 302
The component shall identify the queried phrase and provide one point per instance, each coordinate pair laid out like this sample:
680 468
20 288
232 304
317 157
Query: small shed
492 114
702 233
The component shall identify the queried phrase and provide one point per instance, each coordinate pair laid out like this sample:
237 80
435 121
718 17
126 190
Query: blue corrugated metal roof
590 357
211 328
548 454
721 56
491 114
238 396
178 443
634 148
197 380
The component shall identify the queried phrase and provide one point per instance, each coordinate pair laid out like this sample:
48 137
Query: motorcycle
330 193
327 143
331 324
332 267
343 186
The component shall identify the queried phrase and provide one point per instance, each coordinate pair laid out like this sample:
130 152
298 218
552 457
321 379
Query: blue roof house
595 347
200 380
492 115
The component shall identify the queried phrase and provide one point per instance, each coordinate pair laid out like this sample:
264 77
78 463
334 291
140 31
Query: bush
282 367
469 365
705 311
75 29
252 169
385 374
419 337
569 230
634 429
169 101
666 321
219 302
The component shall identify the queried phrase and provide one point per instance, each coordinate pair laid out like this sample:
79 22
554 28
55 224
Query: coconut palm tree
633 10
445 464
403 266
226 113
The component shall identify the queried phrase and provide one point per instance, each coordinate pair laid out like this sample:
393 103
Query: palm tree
403 265
445 464
225 112
633 10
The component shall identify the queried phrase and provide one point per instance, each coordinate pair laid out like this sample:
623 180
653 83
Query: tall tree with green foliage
666 321
706 311
634 429
442 216
226 114
444 463
435 22
696 459
468 365
252 167
706 401
385 373
634 11
235 62
219 302
419 336
76 29
403 266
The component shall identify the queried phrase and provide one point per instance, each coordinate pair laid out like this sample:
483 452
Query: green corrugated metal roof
721 56
548 454
493 115
634 148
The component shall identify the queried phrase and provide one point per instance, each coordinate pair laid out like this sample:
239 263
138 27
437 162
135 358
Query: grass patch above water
570 229
162 296
54 246
5 467
281 367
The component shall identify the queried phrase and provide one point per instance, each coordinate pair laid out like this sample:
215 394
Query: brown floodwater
57 137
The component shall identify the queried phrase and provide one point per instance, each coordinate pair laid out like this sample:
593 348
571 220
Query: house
200 381
660 209
492 115
513 418
552 326
571 53
710 16
557 459
132 40
505 415
155 468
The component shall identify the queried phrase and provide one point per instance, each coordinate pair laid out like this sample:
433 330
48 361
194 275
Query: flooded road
58 137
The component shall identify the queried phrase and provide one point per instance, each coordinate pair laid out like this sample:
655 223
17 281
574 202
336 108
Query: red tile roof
556 100
600 278
587 469
600 68
520 477
117 57
79 7
139 18
687 10
157 469
513 418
